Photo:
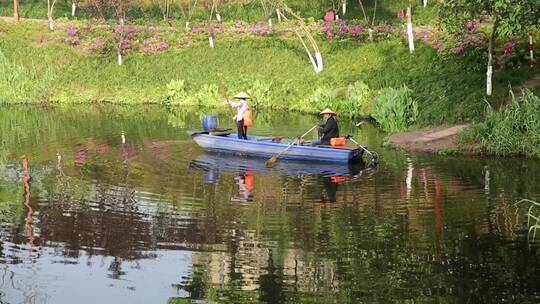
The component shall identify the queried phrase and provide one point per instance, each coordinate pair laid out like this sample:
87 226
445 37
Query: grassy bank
38 65
512 132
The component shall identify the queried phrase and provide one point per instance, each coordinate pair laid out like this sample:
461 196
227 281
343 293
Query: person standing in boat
242 106
328 130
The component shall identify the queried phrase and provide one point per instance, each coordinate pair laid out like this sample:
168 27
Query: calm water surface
118 205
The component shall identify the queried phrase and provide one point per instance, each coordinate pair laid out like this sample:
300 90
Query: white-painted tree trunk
344 7
73 8
370 34
51 23
211 41
123 137
337 17
187 25
218 17
278 14
315 67
410 36
425 3
320 65
270 22
120 60
531 51
489 75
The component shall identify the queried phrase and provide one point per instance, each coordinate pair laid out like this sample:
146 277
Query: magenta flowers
472 25
459 49
508 48
72 38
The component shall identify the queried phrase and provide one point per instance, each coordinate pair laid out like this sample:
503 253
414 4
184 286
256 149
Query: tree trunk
320 65
16 14
50 9
425 3
73 8
531 51
489 73
121 42
410 27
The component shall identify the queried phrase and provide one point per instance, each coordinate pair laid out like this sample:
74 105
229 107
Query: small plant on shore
260 92
358 100
395 110
322 97
176 92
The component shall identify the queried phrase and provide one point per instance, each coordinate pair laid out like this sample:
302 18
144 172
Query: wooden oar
374 155
272 161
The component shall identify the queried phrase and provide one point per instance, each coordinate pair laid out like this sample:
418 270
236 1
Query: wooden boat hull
252 147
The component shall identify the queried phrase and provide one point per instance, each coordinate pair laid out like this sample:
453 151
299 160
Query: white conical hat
242 95
327 111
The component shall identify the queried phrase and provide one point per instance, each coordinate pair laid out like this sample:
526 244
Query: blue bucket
209 122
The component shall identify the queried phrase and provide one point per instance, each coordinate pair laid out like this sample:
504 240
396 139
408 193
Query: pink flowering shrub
72 35
341 30
472 26
512 55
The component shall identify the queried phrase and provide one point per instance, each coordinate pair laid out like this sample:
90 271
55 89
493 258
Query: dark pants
242 131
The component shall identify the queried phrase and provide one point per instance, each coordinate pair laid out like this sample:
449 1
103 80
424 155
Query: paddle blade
271 162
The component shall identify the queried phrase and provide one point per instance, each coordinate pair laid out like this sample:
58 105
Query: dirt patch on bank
429 139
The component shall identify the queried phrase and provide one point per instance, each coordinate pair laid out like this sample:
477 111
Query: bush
395 110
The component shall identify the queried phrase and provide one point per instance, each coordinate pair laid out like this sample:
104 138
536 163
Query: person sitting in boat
328 130
242 106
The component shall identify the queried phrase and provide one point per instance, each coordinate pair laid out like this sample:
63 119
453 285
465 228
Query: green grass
514 131
38 66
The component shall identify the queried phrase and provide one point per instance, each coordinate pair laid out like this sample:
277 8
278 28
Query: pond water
111 204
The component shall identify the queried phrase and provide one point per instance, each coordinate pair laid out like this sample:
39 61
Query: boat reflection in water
245 168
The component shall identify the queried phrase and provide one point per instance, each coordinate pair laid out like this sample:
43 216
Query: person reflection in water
330 189
246 184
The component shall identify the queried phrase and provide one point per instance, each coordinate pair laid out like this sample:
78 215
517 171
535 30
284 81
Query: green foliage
395 109
176 91
358 101
450 151
261 95
510 17
533 216
514 131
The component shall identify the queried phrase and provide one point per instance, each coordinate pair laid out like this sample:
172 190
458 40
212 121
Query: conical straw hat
242 95
327 111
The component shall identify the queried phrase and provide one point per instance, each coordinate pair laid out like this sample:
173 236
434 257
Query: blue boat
260 146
